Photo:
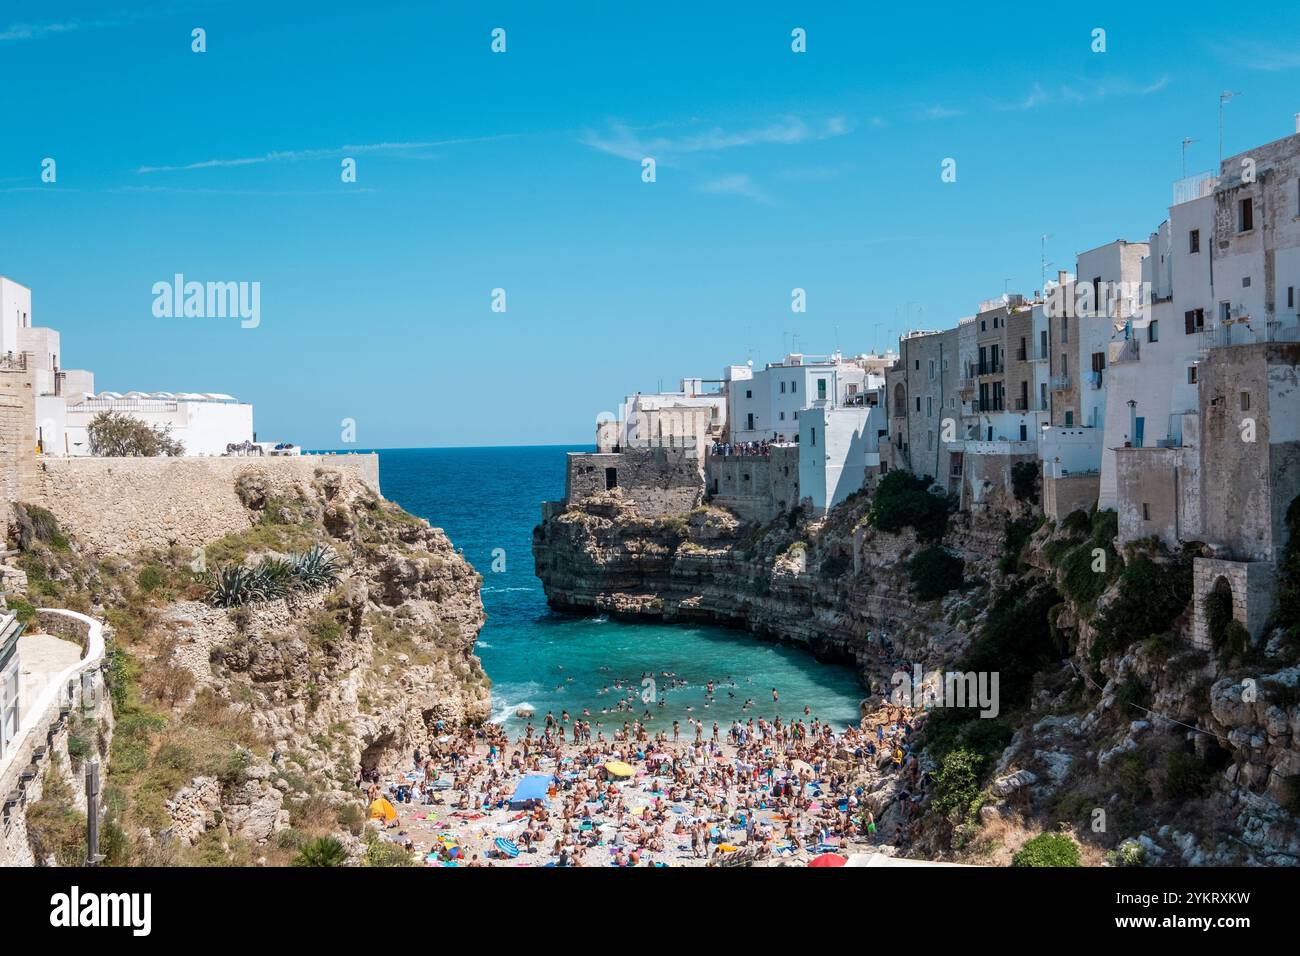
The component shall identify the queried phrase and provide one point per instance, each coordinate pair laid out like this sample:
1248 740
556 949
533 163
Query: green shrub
1149 598
1077 523
904 500
935 572
1024 481
957 784
1018 533
323 851
1048 849
1186 776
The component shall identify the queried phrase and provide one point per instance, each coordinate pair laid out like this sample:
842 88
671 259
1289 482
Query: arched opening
1218 611
900 401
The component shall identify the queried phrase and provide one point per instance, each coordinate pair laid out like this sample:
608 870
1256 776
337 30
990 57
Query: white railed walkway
61 689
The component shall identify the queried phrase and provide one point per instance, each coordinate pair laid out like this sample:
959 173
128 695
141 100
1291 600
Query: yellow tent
381 809
617 768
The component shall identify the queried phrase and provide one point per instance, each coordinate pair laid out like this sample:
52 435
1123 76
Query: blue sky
522 171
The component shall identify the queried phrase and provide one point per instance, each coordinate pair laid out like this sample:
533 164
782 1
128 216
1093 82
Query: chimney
1060 276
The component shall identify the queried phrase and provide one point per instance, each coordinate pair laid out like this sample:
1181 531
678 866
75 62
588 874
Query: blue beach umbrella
506 847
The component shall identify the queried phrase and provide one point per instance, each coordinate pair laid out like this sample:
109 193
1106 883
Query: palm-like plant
323 851
316 568
235 585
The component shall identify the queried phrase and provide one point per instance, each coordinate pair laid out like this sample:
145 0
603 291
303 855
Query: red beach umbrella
828 859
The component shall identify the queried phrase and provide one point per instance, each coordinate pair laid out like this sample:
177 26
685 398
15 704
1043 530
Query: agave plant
316 568
235 585
277 576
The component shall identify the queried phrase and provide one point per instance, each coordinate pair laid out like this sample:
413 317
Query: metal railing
1060 382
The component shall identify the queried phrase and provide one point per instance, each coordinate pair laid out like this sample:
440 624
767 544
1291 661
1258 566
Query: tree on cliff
118 435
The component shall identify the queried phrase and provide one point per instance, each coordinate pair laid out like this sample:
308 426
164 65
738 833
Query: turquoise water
490 498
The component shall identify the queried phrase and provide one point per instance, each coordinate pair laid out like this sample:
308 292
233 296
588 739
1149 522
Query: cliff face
833 585
1111 725
242 730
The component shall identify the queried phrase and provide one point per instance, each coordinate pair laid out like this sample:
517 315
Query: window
1098 361
611 478
1153 331
749 421
1146 511
932 370
1194 321
929 407
918 403
1245 215
794 387
783 388
984 326
1065 329
1042 344
821 388
1225 312
1191 375
1290 297
813 432
1245 282
929 440
749 393
1069 419
1245 401
918 365
1194 241
781 416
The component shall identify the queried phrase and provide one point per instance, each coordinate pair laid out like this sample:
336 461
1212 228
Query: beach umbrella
800 766
828 859
507 848
617 768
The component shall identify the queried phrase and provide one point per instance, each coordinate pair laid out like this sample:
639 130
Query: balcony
1060 382
992 368
1022 404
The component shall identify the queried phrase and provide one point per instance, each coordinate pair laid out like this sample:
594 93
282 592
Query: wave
498 590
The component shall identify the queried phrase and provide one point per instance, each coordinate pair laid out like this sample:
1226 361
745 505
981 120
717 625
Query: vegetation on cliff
238 729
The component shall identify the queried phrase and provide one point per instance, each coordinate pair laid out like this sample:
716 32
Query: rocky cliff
1112 727
241 730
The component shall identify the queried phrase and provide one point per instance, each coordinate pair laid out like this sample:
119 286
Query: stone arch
1218 608
900 400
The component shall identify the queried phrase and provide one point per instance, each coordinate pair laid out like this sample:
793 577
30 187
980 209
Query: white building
767 405
204 424
65 399
837 444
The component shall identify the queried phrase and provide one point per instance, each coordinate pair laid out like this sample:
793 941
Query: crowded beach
759 790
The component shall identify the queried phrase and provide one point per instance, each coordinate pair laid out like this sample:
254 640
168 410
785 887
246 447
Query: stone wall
123 505
17 433
1253 585
1069 493
656 481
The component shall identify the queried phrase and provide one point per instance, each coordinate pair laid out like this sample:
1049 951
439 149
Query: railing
78 683
1022 404
1060 382
992 368
1194 187
13 362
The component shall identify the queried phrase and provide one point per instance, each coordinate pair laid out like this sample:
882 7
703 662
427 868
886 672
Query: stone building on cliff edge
63 401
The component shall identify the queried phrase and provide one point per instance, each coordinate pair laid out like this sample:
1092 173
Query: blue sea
490 498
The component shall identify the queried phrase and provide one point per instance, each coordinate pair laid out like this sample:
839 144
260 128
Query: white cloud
629 143
297 155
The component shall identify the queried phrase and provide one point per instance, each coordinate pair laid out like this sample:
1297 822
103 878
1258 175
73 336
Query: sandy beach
760 791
